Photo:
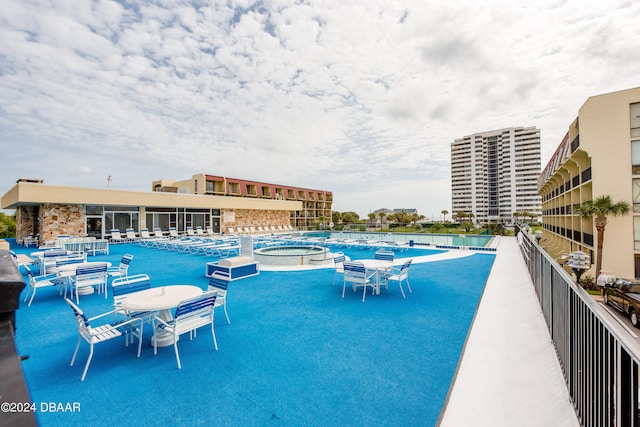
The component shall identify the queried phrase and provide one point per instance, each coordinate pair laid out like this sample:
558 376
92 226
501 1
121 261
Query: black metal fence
599 354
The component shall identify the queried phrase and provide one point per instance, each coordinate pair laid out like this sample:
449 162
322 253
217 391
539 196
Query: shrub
587 282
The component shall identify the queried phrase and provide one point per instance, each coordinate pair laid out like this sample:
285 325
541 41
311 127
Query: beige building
50 211
600 155
316 204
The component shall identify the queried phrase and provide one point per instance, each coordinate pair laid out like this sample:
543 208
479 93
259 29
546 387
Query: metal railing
598 355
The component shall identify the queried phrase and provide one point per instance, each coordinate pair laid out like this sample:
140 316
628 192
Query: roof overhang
33 194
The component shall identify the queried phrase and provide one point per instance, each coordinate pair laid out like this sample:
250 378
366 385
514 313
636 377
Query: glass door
94 227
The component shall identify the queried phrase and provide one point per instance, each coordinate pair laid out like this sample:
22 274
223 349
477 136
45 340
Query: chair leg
140 337
224 306
73 359
32 296
86 367
401 290
344 286
175 346
409 286
213 334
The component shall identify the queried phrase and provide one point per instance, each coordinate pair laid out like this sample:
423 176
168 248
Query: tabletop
375 264
160 298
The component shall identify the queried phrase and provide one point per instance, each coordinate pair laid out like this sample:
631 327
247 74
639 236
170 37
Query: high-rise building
494 174
599 156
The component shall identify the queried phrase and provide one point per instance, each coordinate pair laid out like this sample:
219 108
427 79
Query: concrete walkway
509 374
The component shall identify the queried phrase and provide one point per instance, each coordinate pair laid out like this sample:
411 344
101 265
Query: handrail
598 356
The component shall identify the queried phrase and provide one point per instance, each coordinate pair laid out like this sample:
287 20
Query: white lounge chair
116 237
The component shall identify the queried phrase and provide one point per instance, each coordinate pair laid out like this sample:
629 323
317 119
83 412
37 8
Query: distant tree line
7 225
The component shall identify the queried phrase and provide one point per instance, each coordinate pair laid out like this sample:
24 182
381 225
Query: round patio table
163 299
379 266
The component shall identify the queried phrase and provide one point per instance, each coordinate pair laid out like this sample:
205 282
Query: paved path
509 374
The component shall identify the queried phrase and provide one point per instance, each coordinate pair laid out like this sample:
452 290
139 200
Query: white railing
598 356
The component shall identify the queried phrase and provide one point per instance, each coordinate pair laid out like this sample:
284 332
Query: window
635 120
635 157
636 233
636 195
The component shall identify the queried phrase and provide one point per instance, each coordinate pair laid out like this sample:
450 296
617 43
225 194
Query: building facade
599 155
50 211
316 204
494 174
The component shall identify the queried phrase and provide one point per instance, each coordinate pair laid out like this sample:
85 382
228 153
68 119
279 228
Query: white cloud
360 99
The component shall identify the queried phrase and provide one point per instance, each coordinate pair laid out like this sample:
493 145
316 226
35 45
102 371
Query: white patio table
379 266
162 298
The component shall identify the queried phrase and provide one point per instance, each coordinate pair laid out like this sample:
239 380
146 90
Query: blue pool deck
509 374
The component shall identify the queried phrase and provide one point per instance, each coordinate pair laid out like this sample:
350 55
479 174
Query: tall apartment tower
494 174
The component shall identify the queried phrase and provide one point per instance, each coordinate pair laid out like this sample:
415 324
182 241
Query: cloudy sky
359 97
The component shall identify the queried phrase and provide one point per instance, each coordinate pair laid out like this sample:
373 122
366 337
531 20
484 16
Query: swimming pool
467 240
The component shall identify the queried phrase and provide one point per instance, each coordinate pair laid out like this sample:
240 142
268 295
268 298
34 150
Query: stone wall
256 217
25 222
56 219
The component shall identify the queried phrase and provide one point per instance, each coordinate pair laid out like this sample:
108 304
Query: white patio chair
21 259
356 275
93 334
37 282
122 269
338 263
384 255
400 275
191 314
49 258
219 283
90 275
122 287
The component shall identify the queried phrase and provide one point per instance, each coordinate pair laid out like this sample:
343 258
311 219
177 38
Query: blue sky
359 98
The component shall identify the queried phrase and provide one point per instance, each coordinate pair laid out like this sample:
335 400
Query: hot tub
292 255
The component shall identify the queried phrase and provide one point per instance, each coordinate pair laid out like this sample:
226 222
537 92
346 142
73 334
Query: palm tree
444 214
372 216
600 208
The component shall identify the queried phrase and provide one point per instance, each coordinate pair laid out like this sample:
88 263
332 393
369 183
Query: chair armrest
46 277
161 321
102 315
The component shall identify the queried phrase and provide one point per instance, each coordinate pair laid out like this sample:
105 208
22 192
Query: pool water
474 240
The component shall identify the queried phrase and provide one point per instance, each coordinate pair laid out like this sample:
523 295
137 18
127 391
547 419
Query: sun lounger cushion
235 261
